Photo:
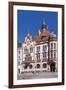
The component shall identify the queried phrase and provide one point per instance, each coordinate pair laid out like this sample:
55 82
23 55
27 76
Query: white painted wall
4 45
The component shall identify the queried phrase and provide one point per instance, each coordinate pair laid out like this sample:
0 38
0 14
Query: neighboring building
38 53
19 57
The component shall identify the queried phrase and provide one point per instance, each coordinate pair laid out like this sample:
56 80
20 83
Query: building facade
38 54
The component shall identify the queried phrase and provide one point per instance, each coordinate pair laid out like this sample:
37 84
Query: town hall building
38 53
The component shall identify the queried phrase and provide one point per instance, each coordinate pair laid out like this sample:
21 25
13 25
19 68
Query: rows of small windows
37 66
52 45
45 55
27 50
44 48
30 50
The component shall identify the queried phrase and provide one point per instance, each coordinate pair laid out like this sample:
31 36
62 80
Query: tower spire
44 21
44 26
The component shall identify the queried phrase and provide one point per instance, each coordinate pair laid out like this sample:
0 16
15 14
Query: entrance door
52 67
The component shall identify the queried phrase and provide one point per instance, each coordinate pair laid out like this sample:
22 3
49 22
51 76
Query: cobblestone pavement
37 75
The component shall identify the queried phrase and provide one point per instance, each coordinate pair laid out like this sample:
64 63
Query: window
19 52
18 70
25 50
18 62
54 45
51 54
44 65
44 48
28 58
38 65
51 45
38 56
31 49
19 57
25 67
30 66
38 49
44 55
54 55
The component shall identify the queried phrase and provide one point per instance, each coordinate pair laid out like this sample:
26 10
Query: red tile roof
44 37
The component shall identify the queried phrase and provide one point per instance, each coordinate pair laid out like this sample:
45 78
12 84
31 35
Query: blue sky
31 22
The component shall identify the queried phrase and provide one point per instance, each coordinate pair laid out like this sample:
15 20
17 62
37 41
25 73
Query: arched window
30 66
44 65
38 65
25 67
